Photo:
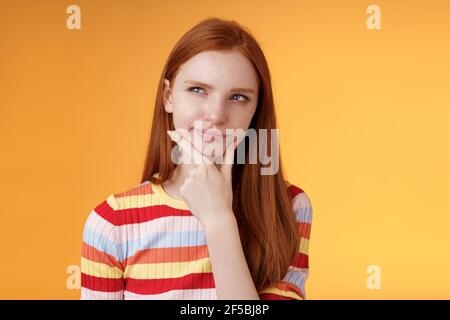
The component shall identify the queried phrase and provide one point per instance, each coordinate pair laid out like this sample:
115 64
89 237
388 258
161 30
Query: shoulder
116 204
141 189
301 202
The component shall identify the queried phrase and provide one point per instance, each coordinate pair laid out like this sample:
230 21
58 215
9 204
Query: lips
209 135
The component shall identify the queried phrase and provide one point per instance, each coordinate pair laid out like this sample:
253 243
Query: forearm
231 273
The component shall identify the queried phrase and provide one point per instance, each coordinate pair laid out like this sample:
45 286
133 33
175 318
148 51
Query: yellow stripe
283 293
164 198
98 269
133 201
303 246
111 200
167 269
140 201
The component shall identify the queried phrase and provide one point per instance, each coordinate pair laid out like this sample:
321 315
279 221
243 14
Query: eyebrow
198 83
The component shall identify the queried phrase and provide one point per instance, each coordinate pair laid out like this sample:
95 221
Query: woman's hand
207 190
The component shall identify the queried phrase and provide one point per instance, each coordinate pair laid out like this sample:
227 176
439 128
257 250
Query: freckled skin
217 108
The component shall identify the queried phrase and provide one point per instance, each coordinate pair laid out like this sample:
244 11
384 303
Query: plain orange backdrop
363 118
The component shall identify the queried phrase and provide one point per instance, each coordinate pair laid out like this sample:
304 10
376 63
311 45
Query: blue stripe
101 243
304 214
297 278
165 240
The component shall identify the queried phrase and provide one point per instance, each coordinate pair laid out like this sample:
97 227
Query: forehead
221 69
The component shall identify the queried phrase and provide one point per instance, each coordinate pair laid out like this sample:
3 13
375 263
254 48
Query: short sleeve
292 287
101 255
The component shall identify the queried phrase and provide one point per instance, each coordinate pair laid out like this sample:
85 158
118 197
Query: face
219 91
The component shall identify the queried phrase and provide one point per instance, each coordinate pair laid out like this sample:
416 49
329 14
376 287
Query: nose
215 112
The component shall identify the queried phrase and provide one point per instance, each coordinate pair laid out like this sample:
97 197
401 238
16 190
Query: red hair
261 203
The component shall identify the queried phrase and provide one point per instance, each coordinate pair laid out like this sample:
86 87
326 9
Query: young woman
204 229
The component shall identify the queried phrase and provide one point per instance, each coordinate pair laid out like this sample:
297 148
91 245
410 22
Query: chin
209 155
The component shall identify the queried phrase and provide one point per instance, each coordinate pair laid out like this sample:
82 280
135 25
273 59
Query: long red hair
261 203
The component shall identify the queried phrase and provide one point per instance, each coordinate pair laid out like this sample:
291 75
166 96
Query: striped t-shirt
145 244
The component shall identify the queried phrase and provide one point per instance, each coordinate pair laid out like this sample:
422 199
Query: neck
172 186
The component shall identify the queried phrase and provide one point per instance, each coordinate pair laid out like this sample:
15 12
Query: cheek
185 111
242 118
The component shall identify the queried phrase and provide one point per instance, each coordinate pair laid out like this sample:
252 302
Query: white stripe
302 207
304 270
136 231
186 294
87 294
101 226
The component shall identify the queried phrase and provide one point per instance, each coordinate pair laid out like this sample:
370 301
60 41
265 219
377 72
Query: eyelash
246 98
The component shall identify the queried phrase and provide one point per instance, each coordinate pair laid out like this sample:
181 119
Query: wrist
222 220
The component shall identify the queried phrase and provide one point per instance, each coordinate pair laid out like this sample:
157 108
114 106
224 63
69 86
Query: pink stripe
87 294
100 226
191 294
136 231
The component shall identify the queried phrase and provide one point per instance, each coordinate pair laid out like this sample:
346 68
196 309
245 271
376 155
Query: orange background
363 117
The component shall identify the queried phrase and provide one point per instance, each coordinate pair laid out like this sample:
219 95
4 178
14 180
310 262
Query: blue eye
190 89
246 99
235 95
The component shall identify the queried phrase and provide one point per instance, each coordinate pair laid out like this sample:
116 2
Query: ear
167 97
